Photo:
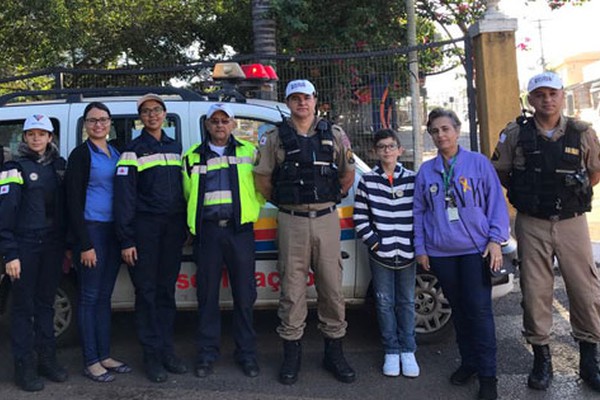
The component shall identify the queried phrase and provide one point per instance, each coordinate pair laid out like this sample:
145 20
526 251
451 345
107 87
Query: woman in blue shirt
460 217
89 179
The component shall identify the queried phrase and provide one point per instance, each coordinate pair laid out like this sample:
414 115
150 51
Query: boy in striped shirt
383 218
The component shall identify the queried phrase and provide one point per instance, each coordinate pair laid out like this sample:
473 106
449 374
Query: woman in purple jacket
461 218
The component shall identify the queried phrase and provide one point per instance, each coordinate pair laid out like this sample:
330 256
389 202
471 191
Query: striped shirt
383 215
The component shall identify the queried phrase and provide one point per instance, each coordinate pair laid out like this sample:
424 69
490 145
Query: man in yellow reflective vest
222 206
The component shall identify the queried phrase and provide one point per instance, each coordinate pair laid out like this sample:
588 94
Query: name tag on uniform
452 214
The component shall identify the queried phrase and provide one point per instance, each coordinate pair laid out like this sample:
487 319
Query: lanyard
447 176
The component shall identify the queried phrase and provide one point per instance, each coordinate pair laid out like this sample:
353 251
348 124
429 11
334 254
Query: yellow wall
497 85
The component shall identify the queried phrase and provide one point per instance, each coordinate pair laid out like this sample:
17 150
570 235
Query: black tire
65 312
432 310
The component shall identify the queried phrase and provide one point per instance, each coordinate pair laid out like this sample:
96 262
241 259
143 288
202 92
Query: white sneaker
391 365
410 368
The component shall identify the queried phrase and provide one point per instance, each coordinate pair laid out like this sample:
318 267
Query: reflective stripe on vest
147 162
251 201
217 197
11 176
128 158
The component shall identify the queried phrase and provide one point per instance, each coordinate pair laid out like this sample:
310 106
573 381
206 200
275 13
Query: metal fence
362 90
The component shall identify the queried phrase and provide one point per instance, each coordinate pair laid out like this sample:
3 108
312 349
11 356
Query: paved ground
363 350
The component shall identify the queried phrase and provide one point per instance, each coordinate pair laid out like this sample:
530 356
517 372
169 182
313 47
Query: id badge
452 214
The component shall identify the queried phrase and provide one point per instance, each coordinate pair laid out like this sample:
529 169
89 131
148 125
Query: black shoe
155 372
292 356
174 364
26 376
335 362
249 367
49 368
588 365
204 368
462 375
541 373
488 388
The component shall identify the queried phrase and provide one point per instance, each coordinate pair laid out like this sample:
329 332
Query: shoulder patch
4 189
263 140
122 171
350 156
502 137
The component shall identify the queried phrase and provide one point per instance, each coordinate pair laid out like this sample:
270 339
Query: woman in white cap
32 236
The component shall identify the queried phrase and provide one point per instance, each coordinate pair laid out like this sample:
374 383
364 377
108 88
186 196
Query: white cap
545 79
150 96
300 86
38 121
225 108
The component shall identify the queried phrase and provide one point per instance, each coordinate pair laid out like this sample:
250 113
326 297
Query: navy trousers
467 286
214 247
33 295
159 242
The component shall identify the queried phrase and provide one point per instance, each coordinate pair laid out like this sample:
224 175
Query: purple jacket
480 201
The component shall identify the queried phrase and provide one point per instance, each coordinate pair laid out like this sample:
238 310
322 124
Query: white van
184 122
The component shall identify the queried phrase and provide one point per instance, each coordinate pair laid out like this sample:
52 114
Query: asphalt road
362 348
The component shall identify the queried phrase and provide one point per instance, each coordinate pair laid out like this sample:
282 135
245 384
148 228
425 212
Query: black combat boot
292 356
49 368
541 374
26 376
588 365
335 362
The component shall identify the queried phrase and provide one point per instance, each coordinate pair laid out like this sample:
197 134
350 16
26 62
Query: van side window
251 129
124 129
11 133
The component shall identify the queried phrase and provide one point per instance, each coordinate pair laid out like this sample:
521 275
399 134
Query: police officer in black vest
32 236
304 168
549 164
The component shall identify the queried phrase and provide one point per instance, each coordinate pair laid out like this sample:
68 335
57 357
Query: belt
222 223
309 214
558 217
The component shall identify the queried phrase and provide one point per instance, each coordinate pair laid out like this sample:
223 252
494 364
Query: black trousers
159 242
214 247
33 295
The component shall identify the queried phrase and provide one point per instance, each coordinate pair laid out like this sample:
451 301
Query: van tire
65 312
432 310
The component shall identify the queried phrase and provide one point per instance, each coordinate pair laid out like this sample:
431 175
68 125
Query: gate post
496 76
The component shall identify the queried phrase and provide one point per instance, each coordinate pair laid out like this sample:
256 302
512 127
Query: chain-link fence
362 90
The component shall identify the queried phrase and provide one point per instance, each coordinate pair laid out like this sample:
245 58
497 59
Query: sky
564 32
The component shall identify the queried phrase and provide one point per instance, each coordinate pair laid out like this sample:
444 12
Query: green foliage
37 34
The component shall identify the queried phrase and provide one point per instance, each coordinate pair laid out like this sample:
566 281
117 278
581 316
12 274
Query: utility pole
413 68
542 58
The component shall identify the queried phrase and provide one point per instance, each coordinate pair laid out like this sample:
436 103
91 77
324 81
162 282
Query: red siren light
255 71
271 72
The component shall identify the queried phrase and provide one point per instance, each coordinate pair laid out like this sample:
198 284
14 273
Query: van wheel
432 310
65 311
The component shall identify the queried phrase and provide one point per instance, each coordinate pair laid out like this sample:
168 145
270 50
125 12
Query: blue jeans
467 286
394 292
95 290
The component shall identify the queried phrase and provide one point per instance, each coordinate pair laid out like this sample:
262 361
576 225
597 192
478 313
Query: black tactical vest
308 173
553 182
